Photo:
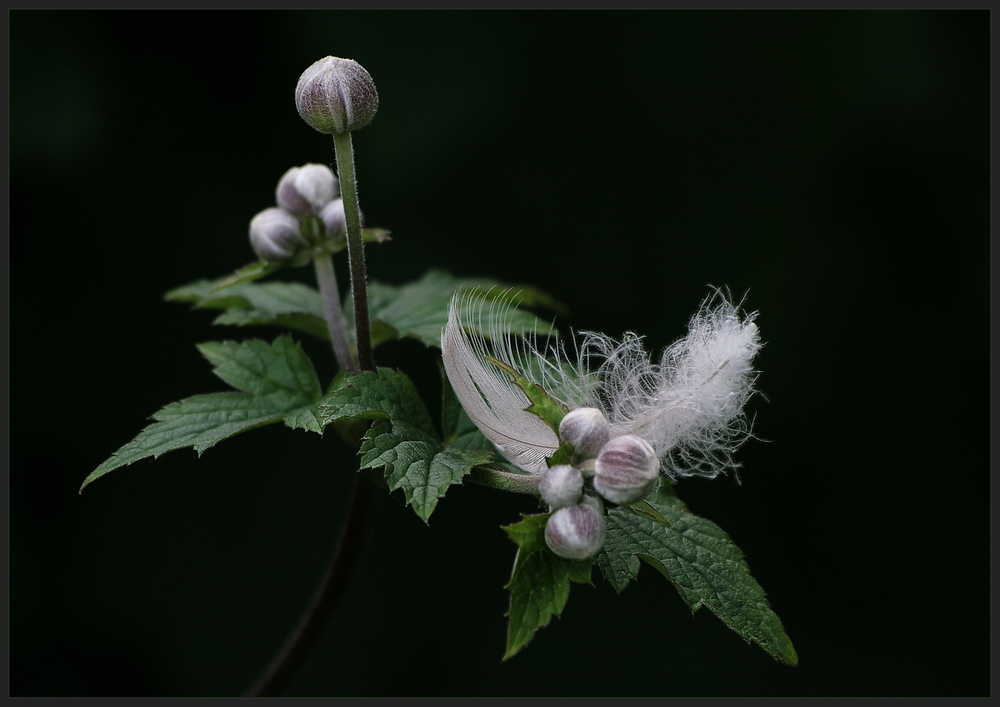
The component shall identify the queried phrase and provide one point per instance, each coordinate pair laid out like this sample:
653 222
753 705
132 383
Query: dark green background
832 165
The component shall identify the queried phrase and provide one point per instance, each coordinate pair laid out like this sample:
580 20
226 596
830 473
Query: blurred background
831 166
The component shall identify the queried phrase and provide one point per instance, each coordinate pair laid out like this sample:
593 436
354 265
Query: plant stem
344 148
329 595
327 280
359 518
505 480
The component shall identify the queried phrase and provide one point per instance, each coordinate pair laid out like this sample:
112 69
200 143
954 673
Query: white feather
490 398
689 406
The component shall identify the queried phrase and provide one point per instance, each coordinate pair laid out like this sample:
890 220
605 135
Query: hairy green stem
335 322
355 248
505 480
363 501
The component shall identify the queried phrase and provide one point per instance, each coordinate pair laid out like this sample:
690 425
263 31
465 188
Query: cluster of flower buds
309 214
620 470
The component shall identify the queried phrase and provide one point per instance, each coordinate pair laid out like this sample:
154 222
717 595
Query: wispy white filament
688 406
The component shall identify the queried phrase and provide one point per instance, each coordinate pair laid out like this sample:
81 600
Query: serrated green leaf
699 559
420 309
417 462
277 379
539 584
402 439
374 395
290 305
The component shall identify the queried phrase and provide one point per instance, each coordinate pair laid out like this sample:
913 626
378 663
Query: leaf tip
86 482
789 656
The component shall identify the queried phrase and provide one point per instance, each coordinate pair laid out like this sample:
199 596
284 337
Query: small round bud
275 236
575 532
594 502
334 219
306 189
586 430
561 486
626 469
336 96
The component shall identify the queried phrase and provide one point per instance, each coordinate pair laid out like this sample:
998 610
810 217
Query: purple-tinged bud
275 236
575 532
626 470
306 189
561 486
336 96
334 219
586 430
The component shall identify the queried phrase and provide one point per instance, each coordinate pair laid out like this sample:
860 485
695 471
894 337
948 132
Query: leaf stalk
505 481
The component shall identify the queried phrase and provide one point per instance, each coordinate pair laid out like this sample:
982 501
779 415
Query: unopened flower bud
626 470
575 532
334 219
594 502
336 96
275 236
561 486
306 189
586 430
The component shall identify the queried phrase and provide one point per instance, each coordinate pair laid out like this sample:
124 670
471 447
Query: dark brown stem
346 558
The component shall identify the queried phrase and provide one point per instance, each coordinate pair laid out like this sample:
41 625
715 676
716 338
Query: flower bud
586 430
561 486
306 189
334 219
594 502
575 532
275 236
336 96
626 469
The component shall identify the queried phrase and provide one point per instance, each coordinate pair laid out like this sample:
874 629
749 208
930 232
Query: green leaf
336 244
420 309
249 273
699 559
276 379
539 584
374 235
287 304
259 269
402 438
417 462
549 409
